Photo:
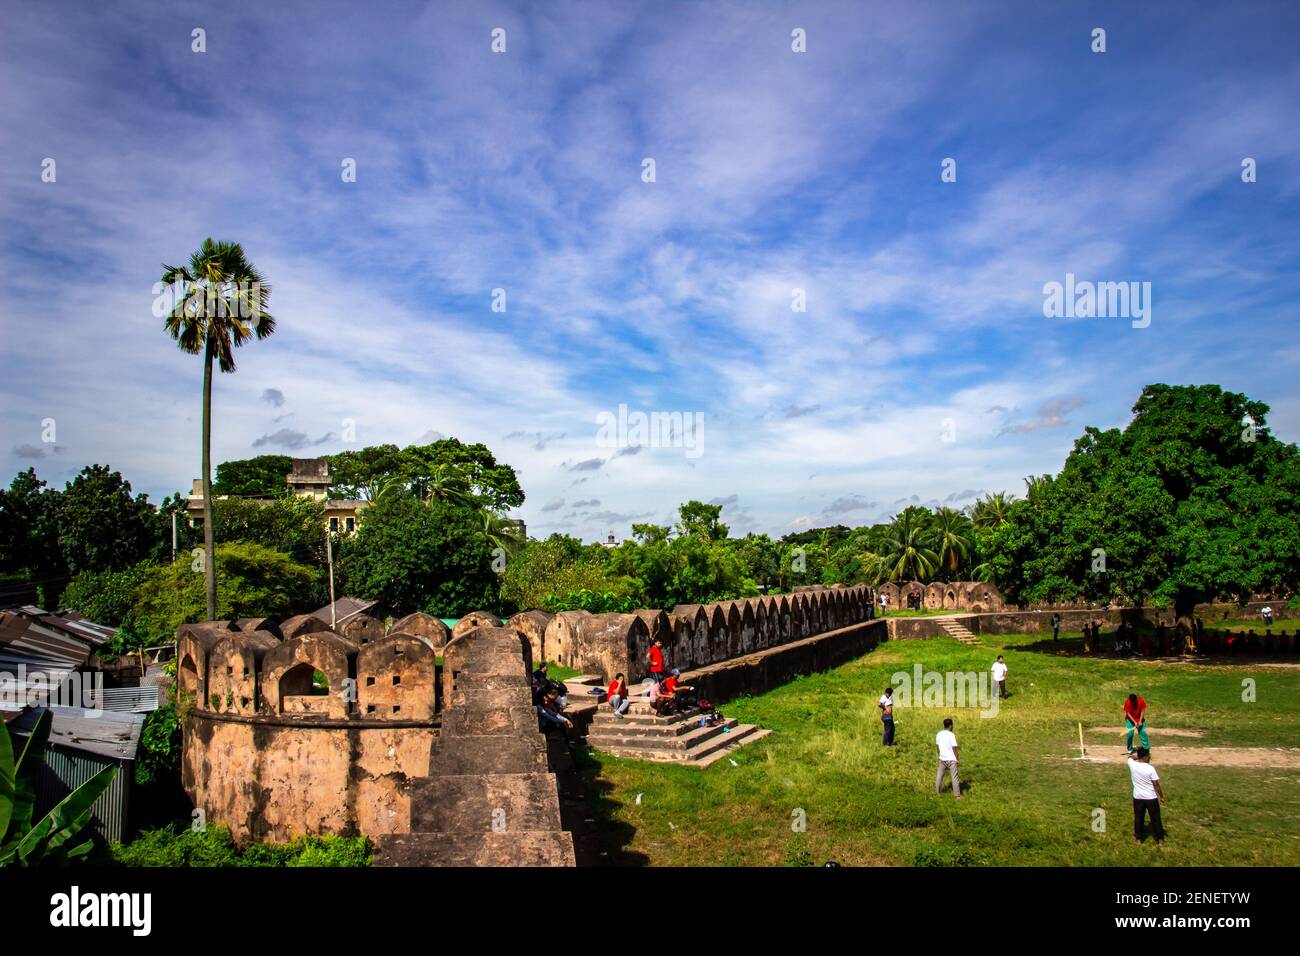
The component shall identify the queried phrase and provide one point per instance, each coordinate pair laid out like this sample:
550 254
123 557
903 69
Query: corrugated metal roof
109 734
346 608
29 640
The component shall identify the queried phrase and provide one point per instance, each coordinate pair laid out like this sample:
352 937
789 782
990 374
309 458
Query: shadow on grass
586 809
1073 647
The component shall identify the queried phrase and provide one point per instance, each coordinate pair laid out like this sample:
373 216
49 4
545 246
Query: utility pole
173 537
329 556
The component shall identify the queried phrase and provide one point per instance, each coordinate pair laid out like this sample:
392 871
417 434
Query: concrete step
695 755
480 802
662 741
517 848
607 725
959 631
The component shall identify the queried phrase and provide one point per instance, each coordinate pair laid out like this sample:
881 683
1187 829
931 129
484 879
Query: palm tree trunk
209 550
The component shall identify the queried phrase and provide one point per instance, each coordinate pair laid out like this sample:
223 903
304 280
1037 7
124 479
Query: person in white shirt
1147 796
946 741
886 705
1000 677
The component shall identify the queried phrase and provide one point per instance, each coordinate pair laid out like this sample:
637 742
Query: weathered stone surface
233 663
396 679
300 625
275 782
530 849
448 803
691 622
532 625
561 637
607 644
362 630
250 624
485 652
425 626
489 753
472 620
286 680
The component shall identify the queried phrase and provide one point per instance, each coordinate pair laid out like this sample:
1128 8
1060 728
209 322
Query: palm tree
220 305
952 537
907 552
500 532
992 511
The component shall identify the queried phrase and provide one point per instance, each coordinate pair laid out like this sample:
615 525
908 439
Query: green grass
1257 626
1028 802
556 672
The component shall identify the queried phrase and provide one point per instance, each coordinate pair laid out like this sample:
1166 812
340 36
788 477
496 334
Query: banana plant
22 844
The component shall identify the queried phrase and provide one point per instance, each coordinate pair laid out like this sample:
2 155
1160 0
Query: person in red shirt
656 659
617 695
674 694
1135 719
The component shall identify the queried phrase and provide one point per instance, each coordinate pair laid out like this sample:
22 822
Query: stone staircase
490 798
955 629
642 735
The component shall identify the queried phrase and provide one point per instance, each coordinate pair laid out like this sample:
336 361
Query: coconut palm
908 554
992 511
220 304
500 532
952 537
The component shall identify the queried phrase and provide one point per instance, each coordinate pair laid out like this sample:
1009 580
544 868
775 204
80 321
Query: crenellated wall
694 635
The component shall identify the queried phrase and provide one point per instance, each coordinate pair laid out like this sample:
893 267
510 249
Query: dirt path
1151 731
1255 758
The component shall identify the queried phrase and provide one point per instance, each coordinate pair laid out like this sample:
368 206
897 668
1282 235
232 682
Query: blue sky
522 171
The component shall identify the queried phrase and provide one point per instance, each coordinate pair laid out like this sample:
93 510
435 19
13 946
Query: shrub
213 846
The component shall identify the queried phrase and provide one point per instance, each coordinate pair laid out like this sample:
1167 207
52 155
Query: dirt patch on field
1282 758
1151 731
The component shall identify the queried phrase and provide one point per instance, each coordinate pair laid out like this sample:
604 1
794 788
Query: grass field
1028 801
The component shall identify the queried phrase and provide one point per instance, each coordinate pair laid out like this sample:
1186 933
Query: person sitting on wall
617 695
539 681
548 714
560 691
681 695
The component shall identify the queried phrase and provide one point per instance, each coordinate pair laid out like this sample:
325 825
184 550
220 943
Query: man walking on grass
886 705
946 741
1000 677
1147 796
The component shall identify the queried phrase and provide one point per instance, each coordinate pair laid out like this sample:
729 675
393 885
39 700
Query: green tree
102 526
907 552
29 534
451 470
1193 500
416 556
265 476
365 472
106 597
294 524
220 304
701 520
252 581
953 538
992 511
